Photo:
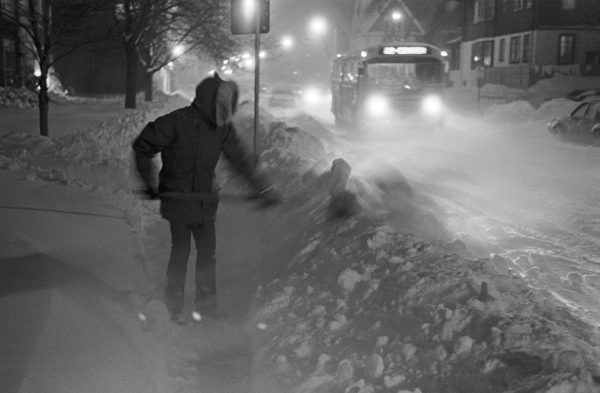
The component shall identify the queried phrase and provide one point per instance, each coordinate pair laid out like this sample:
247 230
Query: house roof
374 16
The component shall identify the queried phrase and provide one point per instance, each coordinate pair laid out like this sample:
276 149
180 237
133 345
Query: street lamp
317 26
178 50
287 42
396 20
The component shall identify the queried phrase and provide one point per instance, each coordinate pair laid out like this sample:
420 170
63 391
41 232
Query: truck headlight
432 105
377 105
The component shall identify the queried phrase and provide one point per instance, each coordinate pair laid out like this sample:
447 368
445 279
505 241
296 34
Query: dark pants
206 286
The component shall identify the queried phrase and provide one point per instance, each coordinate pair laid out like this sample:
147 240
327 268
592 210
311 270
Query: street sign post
252 17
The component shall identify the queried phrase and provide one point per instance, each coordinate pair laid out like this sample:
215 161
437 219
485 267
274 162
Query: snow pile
554 108
364 309
106 145
560 85
21 98
502 92
517 111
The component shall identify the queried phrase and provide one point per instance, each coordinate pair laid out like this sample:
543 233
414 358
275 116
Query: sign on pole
244 14
252 17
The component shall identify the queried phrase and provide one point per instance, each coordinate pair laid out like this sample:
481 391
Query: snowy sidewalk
66 281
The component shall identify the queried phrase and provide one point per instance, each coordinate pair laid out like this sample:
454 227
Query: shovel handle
203 196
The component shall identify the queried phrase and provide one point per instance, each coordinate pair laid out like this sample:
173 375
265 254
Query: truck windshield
418 73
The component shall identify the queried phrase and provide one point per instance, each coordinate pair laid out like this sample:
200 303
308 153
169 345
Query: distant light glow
311 95
245 55
396 15
212 72
377 105
178 50
287 42
248 63
262 54
444 53
228 71
317 26
363 53
226 61
432 105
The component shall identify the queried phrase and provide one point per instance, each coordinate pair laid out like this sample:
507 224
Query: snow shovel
204 196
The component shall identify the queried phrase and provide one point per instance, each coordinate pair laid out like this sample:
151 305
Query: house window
488 53
482 54
478 11
515 49
9 66
569 4
518 5
476 55
526 48
501 50
566 49
490 9
455 57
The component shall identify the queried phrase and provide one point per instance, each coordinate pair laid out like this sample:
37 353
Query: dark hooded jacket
190 141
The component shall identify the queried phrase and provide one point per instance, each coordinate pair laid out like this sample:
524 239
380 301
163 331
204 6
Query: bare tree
48 25
197 27
151 28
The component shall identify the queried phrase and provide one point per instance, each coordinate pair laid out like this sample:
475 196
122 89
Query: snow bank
368 310
560 85
516 111
557 107
21 98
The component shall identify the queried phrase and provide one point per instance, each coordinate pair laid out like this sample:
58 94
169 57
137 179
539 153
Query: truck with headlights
390 84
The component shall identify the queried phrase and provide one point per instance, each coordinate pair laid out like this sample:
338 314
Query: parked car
582 125
583 94
284 98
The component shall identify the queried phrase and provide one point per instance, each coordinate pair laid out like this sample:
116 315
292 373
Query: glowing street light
178 50
249 9
317 26
262 54
287 42
396 16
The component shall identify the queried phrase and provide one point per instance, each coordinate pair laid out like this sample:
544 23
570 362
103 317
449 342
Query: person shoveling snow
190 141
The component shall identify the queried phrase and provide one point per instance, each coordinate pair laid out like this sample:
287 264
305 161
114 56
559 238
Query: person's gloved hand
268 198
150 193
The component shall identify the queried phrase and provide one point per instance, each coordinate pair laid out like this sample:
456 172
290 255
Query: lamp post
397 20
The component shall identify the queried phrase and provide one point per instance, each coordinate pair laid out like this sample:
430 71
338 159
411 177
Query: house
375 22
515 43
16 65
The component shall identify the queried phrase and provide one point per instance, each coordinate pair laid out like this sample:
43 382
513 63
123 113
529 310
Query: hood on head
216 99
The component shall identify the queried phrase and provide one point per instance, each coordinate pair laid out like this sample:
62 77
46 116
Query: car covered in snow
283 98
581 125
583 94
